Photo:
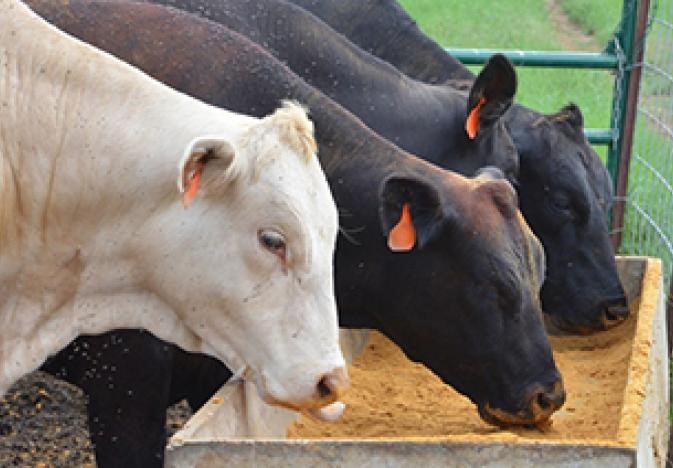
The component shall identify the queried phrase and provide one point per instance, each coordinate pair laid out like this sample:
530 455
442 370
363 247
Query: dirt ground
43 424
43 421
392 396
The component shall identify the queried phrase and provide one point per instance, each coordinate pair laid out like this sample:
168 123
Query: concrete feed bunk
400 414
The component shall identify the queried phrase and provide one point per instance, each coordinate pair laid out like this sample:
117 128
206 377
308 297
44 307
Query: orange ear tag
192 186
472 122
402 236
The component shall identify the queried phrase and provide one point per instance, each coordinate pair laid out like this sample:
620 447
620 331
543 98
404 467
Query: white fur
93 235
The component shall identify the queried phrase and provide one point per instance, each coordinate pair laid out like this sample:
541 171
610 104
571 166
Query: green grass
596 17
484 23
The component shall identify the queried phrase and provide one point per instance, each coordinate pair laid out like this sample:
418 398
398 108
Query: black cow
565 190
463 300
130 377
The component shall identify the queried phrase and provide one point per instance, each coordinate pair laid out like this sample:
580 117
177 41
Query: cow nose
331 385
551 399
615 312
547 400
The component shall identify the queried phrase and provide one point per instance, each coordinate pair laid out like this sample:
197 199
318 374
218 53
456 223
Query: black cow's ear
491 95
410 212
492 181
573 115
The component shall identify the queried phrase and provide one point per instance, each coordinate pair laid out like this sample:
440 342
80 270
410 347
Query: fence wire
648 226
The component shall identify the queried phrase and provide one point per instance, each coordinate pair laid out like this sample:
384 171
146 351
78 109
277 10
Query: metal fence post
627 83
621 45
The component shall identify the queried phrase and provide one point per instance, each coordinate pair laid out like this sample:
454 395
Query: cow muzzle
332 385
322 401
615 311
542 402
609 313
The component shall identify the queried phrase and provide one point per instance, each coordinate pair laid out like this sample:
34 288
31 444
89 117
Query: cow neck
348 148
357 161
386 99
415 115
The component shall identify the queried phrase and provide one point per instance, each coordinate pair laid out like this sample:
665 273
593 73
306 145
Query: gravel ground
43 424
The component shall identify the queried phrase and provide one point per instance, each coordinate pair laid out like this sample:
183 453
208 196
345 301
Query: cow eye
273 241
560 201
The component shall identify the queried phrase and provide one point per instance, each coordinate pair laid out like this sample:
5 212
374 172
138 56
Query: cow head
247 265
565 194
475 270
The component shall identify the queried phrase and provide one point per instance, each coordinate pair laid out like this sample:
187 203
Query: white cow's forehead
298 185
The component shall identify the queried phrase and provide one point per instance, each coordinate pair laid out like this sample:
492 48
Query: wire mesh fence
648 226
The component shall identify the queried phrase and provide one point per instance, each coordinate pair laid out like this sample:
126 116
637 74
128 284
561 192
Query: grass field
595 17
533 25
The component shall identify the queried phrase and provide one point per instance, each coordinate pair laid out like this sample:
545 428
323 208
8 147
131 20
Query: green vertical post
621 45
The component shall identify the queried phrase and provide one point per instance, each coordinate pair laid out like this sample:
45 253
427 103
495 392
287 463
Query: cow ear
572 114
492 181
491 95
410 212
204 154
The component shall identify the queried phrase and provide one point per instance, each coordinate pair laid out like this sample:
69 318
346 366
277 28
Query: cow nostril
616 312
324 389
332 384
551 398
543 401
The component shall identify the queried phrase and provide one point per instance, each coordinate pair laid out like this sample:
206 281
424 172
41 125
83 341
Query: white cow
93 234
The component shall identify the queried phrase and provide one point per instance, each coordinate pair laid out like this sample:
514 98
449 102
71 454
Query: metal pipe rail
535 58
600 136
